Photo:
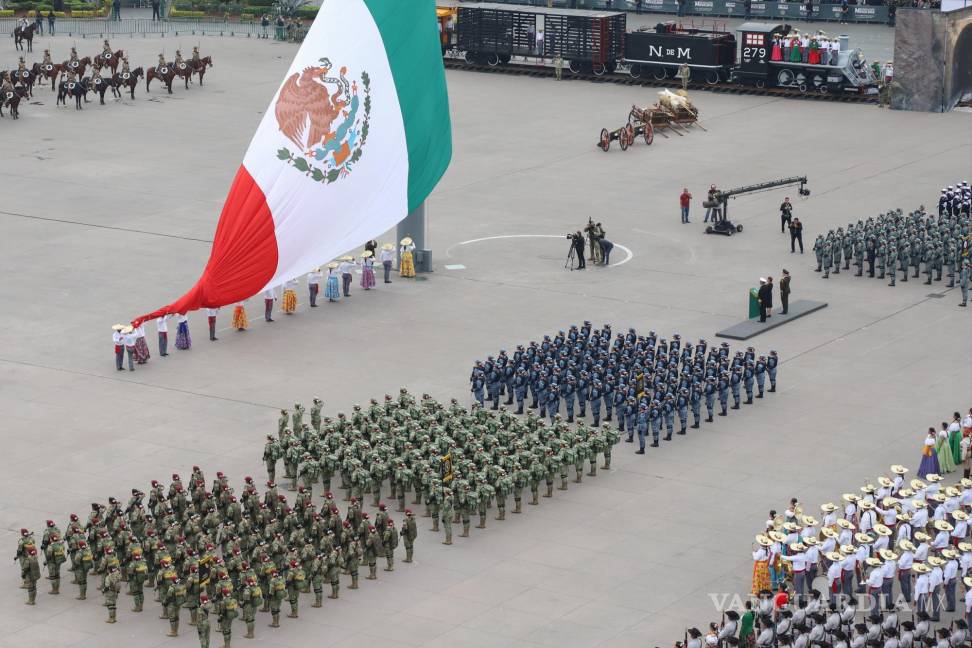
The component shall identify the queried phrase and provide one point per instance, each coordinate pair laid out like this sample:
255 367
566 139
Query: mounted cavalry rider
195 56
179 62
74 61
47 63
95 74
125 72
7 89
72 78
21 68
161 63
106 52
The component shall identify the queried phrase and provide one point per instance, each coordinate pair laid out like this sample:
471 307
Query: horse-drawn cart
626 135
673 112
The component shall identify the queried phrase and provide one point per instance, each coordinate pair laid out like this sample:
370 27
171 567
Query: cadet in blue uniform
771 363
655 416
583 393
553 402
668 409
594 395
696 402
567 391
477 388
519 387
682 404
710 392
724 393
642 428
748 376
964 283
735 382
494 380
608 398
760 374
630 410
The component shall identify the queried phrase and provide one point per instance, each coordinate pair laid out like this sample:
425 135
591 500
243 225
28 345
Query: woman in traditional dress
929 458
945 459
407 264
761 575
955 437
183 340
795 55
777 53
290 296
814 58
141 346
240 322
332 288
367 269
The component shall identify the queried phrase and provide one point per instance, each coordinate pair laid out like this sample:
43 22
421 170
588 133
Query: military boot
482 521
249 630
354 582
293 610
578 476
837 269
502 514
465 530
668 437
335 589
448 536
535 499
112 616
173 629
83 589
684 431
518 506
435 523
827 274
318 599
593 471
372 572
408 554
31 597
275 620
519 410
56 587
549 490
563 483
390 560
607 462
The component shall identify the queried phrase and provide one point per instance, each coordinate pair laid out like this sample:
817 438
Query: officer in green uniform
295 583
352 560
30 572
277 593
389 541
226 611
111 588
202 620
446 512
408 533
172 601
251 598
54 557
82 566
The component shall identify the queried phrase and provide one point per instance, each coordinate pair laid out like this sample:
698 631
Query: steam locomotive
596 42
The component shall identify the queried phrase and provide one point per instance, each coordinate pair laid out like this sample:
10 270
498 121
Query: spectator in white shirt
119 341
269 296
162 324
905 561
950 576
129 335
211 316
387 257
314 285
347 265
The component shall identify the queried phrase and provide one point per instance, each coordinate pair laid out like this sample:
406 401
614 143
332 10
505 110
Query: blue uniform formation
643 382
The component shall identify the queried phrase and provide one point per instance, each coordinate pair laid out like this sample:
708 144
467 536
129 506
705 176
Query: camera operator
606 247
577 240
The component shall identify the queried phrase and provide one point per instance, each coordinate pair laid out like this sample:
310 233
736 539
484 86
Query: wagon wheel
623 138
605 142
629 132
649 133
632 116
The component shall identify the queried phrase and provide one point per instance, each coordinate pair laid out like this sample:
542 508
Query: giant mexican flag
356 136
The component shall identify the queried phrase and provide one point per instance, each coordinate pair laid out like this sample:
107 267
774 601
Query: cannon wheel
605 142
623 139
629 133
649 133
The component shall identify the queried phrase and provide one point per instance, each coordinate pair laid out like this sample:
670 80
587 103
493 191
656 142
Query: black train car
660 51
492 33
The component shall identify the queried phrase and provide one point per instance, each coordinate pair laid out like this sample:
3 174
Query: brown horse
22 34
25 78
165 74
109 61
12 100
185 72
130 83
78 66
199 67
50 71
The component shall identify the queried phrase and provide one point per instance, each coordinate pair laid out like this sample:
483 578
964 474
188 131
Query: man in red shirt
684 200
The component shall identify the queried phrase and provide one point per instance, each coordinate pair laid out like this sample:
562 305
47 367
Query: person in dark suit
765 298
578 243
785 291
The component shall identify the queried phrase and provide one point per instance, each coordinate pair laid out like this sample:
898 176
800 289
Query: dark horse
165 74
109 60
25 78
200 66
77 89
51 71
130 83
78 67
100 85
21 34
185 72
12 100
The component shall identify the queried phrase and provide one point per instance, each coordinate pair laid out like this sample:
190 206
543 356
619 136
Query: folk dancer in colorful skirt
240 323
211 316
162 324
269 296
183 339
129 334
367 270
119 340
946 462
777 51
142 353
387 258
407 263
332 289
314 285
290 297
761 574
929 458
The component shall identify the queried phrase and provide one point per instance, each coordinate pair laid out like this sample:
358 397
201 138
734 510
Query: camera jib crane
722 224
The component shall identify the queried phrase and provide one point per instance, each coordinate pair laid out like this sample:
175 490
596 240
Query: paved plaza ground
108 213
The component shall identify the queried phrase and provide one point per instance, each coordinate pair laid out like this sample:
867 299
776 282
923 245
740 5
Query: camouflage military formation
912 245
643 380
211 557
